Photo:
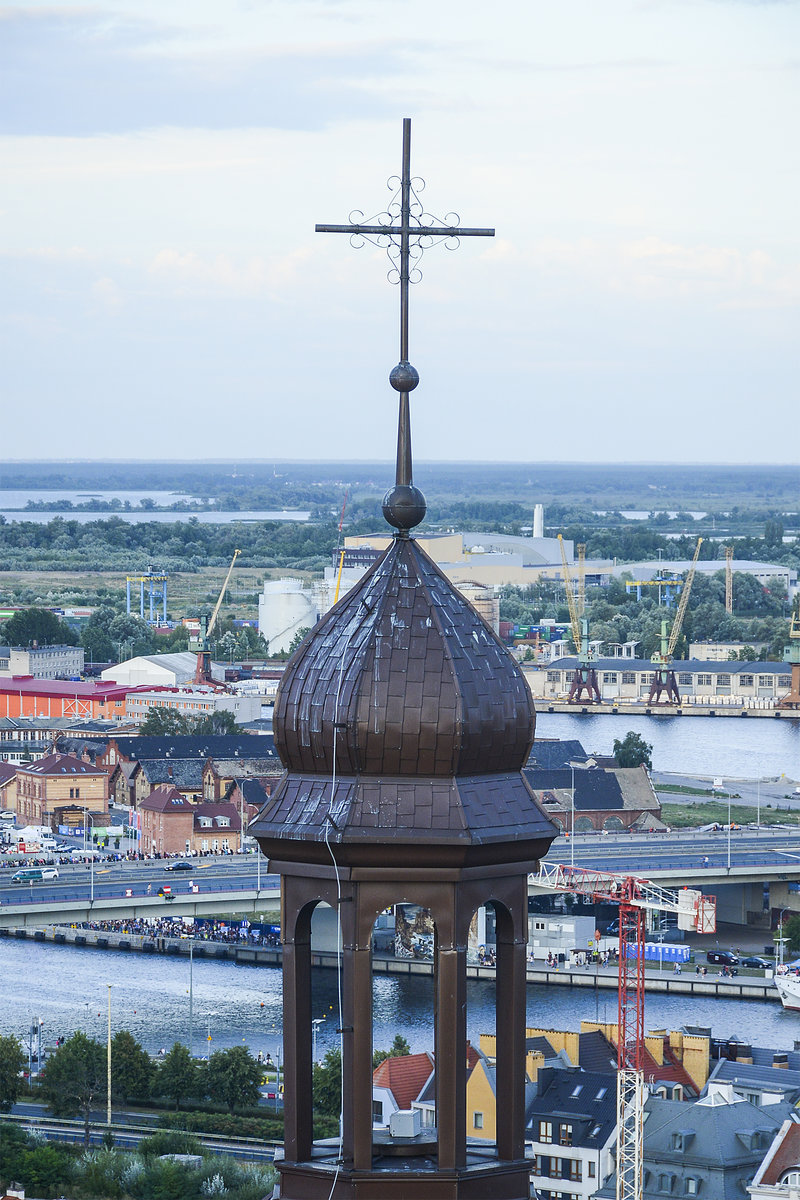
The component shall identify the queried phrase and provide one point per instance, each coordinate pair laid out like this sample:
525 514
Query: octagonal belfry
403 724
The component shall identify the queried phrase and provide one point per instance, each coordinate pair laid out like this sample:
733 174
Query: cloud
85 73
191 273
652 268
107 295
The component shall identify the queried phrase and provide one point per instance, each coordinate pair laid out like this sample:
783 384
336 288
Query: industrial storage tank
285 607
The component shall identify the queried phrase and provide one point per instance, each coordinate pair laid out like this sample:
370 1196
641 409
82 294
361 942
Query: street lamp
781 938
87 817
572 822
108 1061
729 831
191 996
316 1024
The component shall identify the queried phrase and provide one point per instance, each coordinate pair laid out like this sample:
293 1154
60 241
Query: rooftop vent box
405 1123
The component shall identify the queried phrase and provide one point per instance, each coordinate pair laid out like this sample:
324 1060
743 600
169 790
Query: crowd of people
202 930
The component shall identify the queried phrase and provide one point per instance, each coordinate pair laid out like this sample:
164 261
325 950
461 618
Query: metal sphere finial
404 377
404 507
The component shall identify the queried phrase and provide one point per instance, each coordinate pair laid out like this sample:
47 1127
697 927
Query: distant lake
12 498
13 502
137 517
639 514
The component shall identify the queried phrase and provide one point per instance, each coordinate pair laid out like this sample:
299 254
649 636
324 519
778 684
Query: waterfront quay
593 976
633 708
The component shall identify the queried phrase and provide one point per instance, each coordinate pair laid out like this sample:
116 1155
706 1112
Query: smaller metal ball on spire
404 377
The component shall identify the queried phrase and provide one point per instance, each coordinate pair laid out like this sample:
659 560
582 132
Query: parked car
758 962
726 957
180 864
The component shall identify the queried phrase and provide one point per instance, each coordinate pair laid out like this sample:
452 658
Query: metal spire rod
403 240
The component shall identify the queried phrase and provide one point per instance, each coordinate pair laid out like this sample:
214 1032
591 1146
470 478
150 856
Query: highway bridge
750 871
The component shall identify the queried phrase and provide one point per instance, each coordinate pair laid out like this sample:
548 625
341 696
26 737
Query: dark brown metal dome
403 677
402 718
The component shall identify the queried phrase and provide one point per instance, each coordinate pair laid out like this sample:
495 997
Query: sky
163 293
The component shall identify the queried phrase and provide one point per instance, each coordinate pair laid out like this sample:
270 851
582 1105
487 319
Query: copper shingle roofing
405 695
413 678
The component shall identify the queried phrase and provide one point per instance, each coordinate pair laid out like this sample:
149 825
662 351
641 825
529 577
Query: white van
6 815
85 855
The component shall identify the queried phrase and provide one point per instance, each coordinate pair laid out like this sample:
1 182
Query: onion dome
402 720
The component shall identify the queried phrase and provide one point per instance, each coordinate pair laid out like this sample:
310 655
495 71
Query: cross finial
405 230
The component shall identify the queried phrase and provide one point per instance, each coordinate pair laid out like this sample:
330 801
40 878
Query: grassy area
187 591
689 816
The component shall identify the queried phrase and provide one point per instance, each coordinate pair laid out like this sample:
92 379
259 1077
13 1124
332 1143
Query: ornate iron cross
406 230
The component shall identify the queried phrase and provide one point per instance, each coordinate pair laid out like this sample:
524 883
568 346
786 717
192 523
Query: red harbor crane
634 897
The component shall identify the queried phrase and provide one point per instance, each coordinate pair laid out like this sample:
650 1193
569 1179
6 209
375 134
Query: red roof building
404 1077
172 824
24 696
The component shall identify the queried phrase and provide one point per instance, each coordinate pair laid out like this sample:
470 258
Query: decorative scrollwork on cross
405 229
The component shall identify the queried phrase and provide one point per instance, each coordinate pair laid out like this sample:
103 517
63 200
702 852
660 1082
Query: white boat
788 986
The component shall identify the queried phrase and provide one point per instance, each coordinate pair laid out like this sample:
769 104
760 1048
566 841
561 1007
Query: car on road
180 864
726 957
758 962
34 874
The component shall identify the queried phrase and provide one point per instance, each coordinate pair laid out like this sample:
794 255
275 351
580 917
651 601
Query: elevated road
214 886
678 859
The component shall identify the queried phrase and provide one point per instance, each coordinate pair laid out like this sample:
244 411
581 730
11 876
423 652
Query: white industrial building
42 662
737 684
154 670
193 702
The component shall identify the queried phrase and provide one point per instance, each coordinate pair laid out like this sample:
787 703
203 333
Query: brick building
58 781
172 824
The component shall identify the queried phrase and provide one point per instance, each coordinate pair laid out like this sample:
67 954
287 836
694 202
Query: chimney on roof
169 770
781 1059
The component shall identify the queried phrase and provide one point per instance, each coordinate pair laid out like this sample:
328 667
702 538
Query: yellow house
481 1101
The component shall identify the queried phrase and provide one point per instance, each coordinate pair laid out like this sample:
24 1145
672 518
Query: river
67 988
733 747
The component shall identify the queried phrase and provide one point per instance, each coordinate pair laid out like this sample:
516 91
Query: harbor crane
664 680
634 897
201 643
585 677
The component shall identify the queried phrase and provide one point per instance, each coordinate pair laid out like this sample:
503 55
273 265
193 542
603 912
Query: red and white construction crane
634 897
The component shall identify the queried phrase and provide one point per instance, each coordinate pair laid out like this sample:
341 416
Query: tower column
511 1023
297 1109
357 1049
451 1056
